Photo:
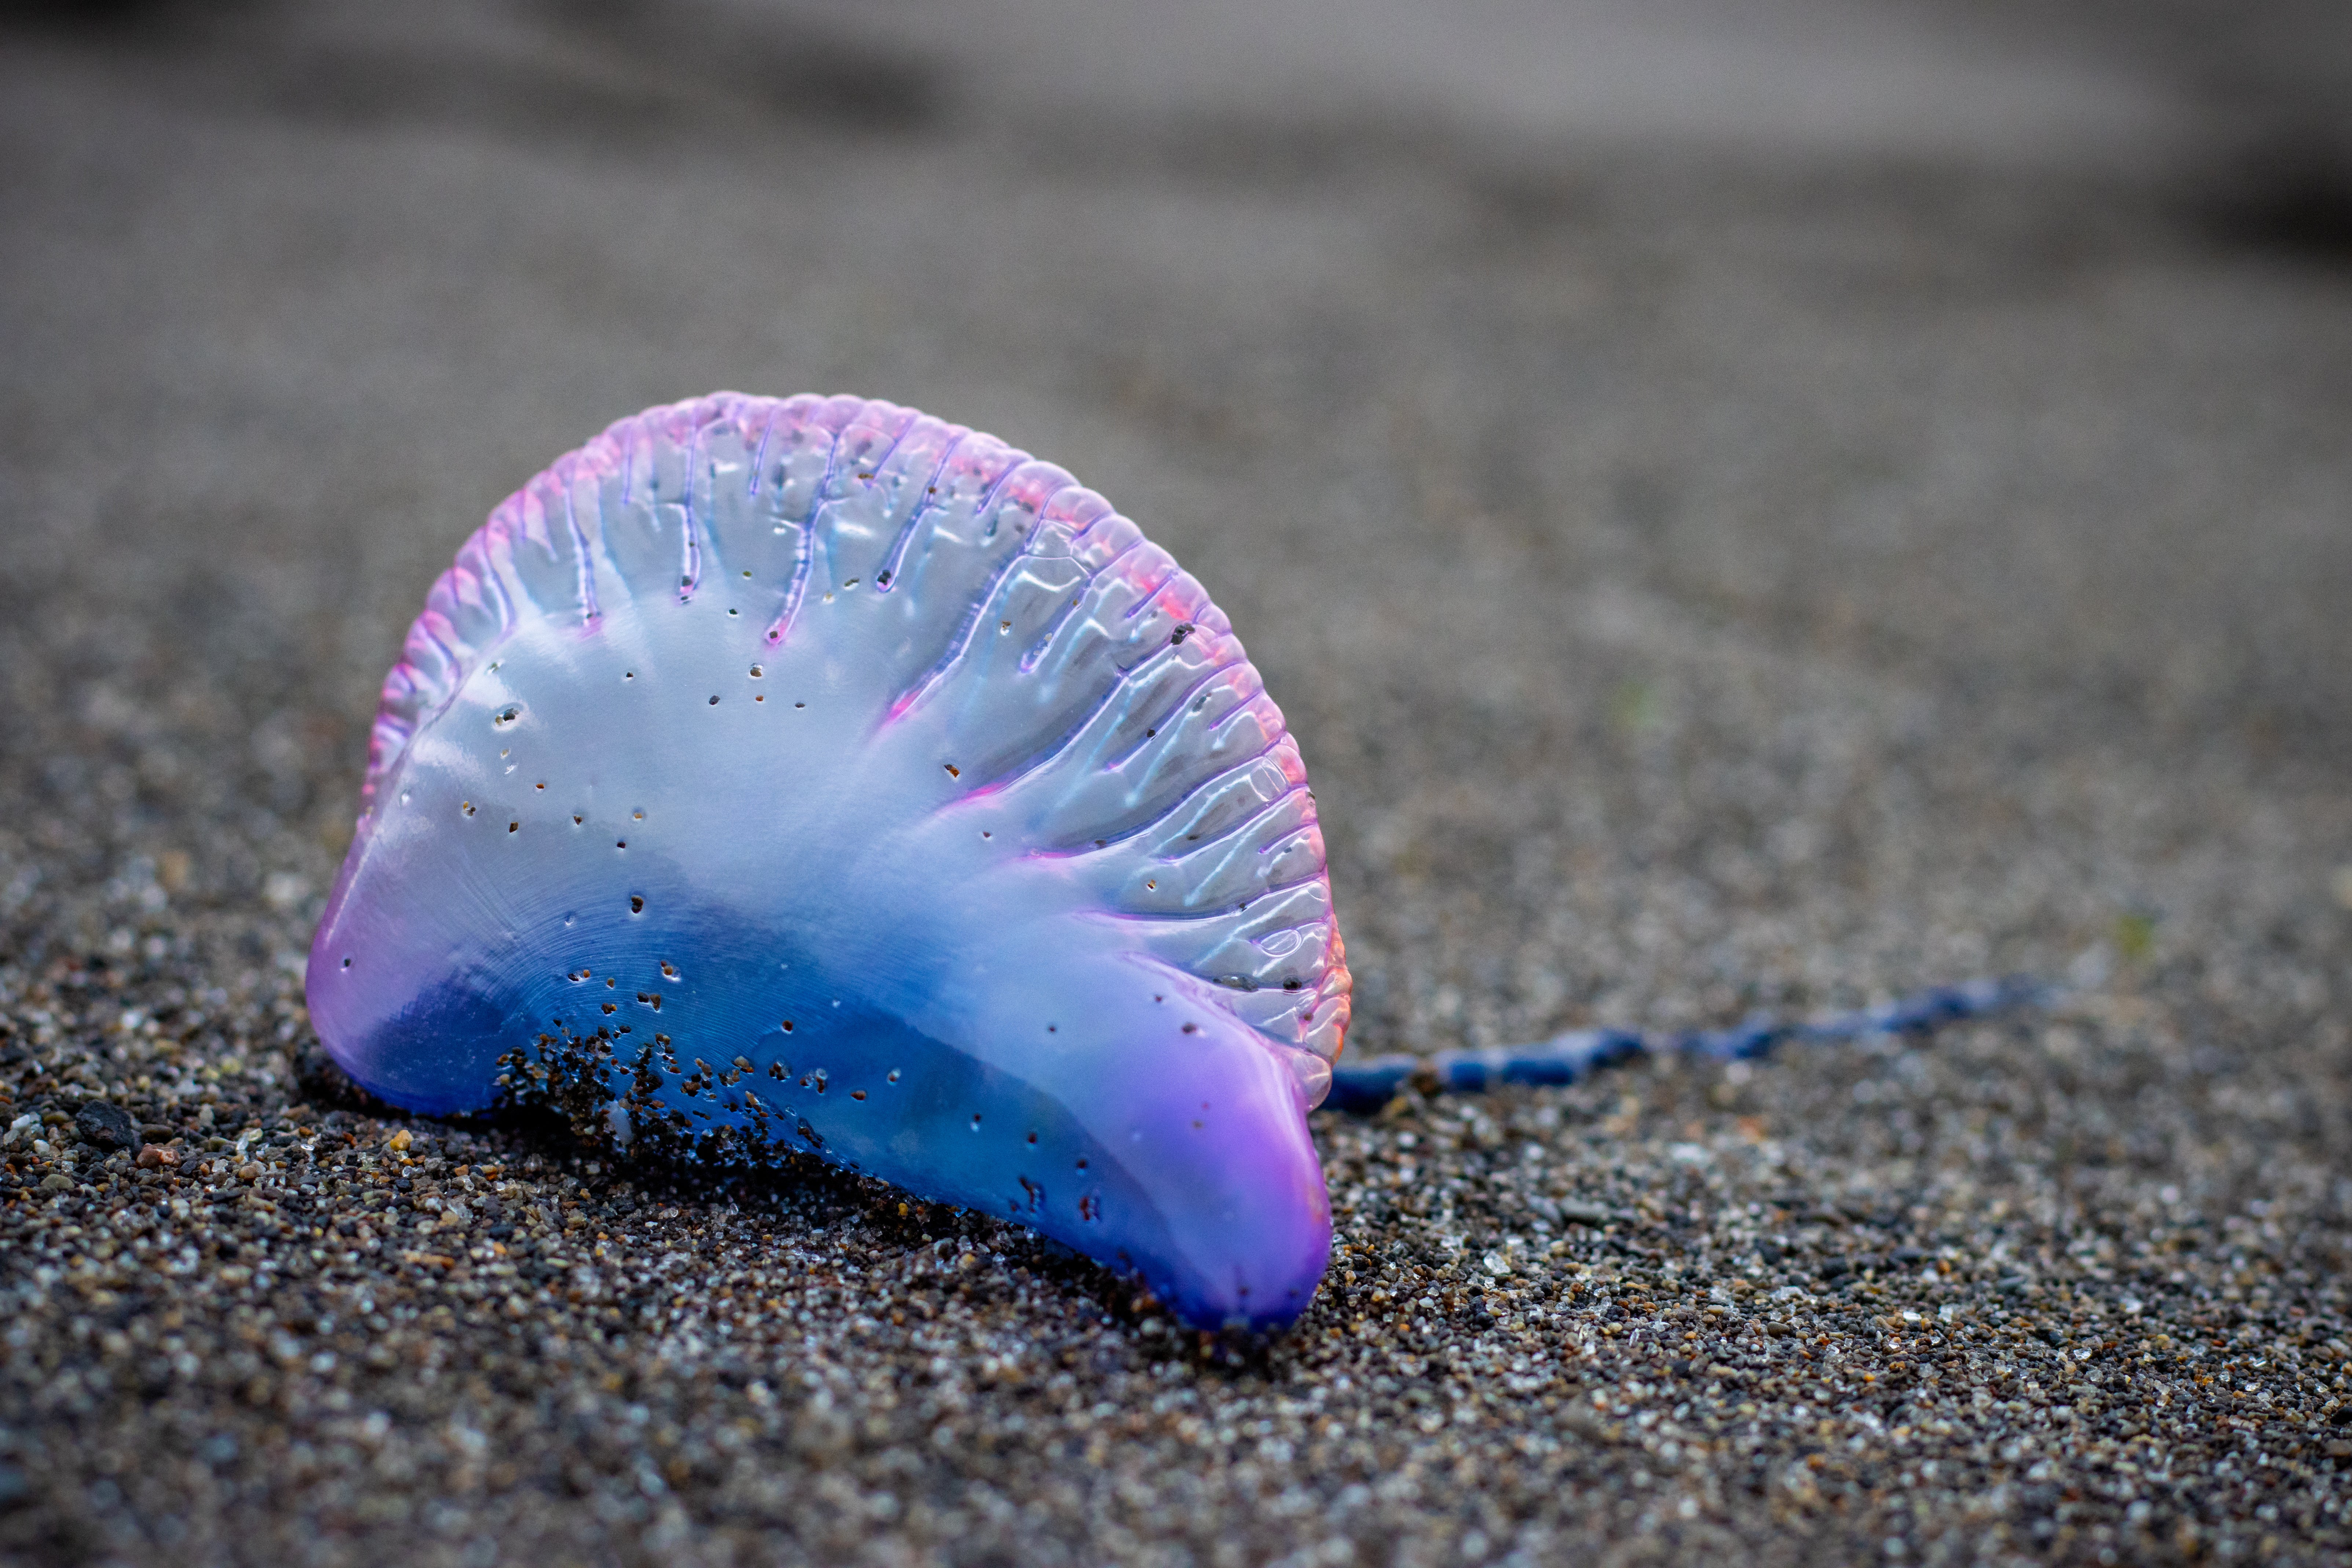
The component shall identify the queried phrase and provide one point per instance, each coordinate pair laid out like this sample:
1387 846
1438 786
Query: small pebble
106 1126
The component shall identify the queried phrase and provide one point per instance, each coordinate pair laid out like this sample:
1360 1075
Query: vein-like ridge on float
817 775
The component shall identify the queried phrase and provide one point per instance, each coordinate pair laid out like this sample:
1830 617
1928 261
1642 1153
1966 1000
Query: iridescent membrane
817 775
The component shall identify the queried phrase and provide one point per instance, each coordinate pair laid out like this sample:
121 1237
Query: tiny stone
106 1125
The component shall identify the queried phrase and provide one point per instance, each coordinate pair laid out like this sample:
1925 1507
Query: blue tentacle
1368 1085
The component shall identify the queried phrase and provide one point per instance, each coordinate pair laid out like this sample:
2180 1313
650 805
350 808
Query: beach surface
1745 511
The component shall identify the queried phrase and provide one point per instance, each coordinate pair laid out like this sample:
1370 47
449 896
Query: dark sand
1772 542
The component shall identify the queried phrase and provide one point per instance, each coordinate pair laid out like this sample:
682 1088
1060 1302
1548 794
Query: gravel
1706 577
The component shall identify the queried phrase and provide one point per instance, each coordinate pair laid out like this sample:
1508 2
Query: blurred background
1743 503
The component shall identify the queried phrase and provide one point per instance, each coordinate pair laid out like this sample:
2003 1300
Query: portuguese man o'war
817 775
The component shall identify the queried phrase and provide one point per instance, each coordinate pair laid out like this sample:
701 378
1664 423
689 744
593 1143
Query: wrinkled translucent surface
850 781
